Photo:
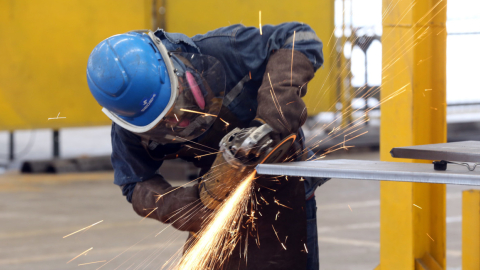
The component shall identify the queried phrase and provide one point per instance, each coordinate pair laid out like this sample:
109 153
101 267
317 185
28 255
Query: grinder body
240 151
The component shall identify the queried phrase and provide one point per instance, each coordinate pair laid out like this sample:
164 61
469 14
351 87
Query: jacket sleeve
131 162
135 171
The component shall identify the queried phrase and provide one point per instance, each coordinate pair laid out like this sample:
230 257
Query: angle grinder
240 151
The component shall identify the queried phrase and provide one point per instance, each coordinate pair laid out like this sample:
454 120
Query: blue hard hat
156 94
128 76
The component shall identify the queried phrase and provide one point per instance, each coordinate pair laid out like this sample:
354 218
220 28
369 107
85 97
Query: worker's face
201 87
190 99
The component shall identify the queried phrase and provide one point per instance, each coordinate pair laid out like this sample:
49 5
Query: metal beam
374 170
467 151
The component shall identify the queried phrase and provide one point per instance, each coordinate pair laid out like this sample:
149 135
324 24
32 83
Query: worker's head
159 95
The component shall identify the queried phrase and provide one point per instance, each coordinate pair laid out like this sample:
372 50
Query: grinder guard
240 151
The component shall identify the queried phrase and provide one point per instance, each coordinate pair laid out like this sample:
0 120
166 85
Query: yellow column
414 67
471 229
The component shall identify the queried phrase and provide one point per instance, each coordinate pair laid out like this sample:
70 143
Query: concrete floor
37 211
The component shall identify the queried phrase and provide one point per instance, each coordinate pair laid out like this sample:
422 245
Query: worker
171 96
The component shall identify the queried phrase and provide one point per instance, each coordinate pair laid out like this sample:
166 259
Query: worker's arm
244 51
284 84
179 206
286 75
135 171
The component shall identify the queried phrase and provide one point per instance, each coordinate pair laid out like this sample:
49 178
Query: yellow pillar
414 67
471 229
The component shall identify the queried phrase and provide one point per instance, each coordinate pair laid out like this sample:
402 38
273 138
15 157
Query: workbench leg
471 229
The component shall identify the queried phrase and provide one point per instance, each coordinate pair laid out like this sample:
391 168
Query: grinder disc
280 150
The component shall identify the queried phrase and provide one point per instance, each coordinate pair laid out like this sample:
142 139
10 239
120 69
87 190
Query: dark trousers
313 260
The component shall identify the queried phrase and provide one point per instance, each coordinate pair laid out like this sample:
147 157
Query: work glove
282 106
240 151
179 206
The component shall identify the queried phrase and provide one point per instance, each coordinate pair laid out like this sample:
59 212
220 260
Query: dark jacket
244 54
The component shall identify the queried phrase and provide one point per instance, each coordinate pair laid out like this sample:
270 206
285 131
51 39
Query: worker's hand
240 151
180 206
249 145
284 84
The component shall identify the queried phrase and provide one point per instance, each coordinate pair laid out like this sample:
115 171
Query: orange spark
149 214
206 114
88 227
350 208
185 140
291 66
306 250
271 85
276 233
276 216
277 202
250 74
91 263
430 237
208 154
276 102
191 147
278 238
216 241
85 252
260 21
290 102
261 197
226 123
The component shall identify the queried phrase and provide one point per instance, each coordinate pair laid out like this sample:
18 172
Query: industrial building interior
402 71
